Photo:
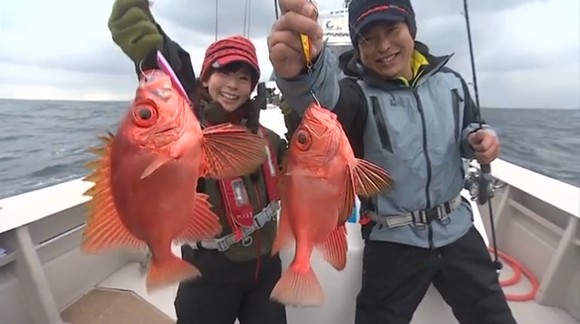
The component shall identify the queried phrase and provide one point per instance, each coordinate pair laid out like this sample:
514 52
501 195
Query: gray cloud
230 14
430 9
105 59
519 44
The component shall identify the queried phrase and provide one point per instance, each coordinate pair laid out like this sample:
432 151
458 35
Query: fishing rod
484 179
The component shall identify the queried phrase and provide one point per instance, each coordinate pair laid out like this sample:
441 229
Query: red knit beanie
228 50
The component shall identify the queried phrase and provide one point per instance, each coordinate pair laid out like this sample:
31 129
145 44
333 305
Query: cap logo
381 8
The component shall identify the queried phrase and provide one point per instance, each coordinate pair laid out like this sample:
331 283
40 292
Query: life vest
239 211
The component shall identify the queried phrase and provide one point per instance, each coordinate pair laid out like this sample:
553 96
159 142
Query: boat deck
103 306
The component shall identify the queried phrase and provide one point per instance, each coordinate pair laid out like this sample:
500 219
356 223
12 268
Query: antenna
216 20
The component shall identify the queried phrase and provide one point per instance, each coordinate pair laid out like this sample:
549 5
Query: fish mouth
165 131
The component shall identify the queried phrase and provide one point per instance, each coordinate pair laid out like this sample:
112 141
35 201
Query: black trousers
396 278
228 290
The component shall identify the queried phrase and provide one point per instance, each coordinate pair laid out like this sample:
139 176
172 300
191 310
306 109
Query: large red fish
318 184
146 178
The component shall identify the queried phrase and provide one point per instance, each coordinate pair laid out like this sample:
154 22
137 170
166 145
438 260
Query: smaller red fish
146 178
318 184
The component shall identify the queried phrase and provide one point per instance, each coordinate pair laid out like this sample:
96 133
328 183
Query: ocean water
43 143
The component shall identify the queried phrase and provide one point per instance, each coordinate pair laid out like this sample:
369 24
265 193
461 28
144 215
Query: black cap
363 13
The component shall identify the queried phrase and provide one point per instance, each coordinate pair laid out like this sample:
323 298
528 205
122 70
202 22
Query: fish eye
303 140
144 115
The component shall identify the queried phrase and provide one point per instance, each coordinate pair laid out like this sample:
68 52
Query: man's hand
286 53
486 145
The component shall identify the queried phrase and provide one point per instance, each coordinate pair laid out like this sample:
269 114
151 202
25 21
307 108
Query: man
405 110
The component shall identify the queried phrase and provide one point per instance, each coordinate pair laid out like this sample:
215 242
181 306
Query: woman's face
231 88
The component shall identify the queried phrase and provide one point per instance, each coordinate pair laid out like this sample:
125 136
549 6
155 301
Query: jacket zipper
427 160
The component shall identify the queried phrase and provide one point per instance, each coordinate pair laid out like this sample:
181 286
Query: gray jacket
418 133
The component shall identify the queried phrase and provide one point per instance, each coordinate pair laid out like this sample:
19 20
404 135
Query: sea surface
43 143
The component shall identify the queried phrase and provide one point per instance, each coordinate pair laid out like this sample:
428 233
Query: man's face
386 48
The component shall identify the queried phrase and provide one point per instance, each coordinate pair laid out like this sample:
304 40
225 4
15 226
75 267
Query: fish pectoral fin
104 229
284 235
334 249
159 161
231 151
348 200
204 224
369 178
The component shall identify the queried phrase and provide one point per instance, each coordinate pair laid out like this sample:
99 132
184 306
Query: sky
527 52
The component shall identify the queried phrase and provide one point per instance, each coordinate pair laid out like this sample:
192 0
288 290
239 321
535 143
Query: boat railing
537 221
41 265
37 264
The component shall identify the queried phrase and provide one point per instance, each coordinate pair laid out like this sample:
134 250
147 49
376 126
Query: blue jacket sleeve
471 118
323 82
342 95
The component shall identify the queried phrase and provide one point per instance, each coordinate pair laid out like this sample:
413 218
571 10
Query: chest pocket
381 124
457 102
397 124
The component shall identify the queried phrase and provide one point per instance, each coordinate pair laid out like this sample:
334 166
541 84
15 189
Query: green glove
133 29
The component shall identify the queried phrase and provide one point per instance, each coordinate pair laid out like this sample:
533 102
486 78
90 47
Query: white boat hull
44 272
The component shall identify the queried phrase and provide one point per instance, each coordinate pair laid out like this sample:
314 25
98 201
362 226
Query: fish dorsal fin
104 229
231 151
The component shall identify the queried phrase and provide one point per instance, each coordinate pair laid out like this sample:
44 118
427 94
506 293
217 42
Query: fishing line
306 42
307 46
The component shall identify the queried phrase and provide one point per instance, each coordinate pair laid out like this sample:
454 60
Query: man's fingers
284 55
480 147
486 143
476 137
289 39
304 7
298 24
481 158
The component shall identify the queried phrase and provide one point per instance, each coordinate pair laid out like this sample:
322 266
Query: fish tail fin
298 288
334 248
170 271
369 178
231 151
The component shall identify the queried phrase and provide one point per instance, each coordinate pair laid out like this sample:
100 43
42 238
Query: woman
238 273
